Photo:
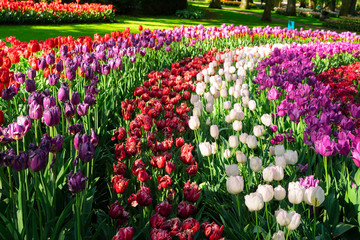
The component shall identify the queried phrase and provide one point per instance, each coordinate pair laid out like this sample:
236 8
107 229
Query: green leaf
341 228
60 222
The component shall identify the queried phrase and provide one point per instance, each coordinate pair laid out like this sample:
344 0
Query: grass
215 17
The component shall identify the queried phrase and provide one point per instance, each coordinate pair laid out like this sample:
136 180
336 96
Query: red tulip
186 155
179 142
164 182
137 166
185 210
212 231
143 176
192 170
191 192
120 151
119 183
119 168
158 161
143 196
159 234
156 220
2 118
169 167
124 234
164 208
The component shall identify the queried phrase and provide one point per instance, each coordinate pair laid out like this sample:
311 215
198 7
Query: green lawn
215 17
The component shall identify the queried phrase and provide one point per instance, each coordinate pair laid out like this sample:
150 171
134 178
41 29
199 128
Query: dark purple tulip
89 99
70 72
19 77
42 63
64 48
52 116
105 69
302 168
76 182
31 73
325 147
37 159
86 151
20 161
53 79
30 85
50 59
45 143
36 97
75 98
59 66
355 111
85 48
35 111
118 64
82 109
294 114
56 143
16 131
75 128
9 156
25 122
91 89
8 93
63 93
49 101
133 59
347 123
77 141
94 138
143 52
69 110
273 128
95 66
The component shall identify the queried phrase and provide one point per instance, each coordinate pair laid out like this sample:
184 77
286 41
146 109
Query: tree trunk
312 4
266 17
291 8
302 4
244 4
332 5
344 11
215 4
352 9
277 3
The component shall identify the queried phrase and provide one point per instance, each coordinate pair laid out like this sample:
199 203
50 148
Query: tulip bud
240 157
75 98
291 157
295 192
243 137
227 153
252 105
279 150
214 131
235 184
205 149
279 235
255 164
63 93
294 220
266 119
194 123
76 182
279 193
30 85
254 201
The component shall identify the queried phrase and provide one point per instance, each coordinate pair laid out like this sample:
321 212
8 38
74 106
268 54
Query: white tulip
231 91
228 119
255 164
197 112
241 157
266 119
279 193
243 137
214 131
314 196
279 150
223 93
227 105
237 125
280 161
198 105
291 157
233 141
268 174
194 98
295 192
205 149
266 191
227 153
254 201
258 130
235 184
271 150
209 107
279 235
194 123
282 217
294 220
251 141
232 170
208 121
252 105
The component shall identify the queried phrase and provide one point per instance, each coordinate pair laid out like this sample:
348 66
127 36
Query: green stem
267 217
78 233
38 199
314 228
326 175
287 234
210 168
257 226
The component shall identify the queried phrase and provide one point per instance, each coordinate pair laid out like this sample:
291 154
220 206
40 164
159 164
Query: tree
291 8
244 4
312 4
344 10
277 3
332 5
215 4
266 17
352 8
302 3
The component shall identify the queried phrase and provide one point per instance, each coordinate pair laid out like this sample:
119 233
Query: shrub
349 24
191 13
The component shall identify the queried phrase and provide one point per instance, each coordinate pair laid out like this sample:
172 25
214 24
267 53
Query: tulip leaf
60 222
341 228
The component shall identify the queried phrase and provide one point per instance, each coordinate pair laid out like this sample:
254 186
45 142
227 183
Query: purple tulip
8 93
36 97
16 131
76 182
63 93
20 161
302 168
31 73
19 77
309 181
82 109
56 143
53 79
89 99
49 101
133 59
294 114
70 73
30 85
325 147
273 128
77 141
35 111
75 128
355 111
86 151
91 89
50 59
105 69
94 138
59 66
69 110
75 98
25 122
8 157
343 145
273 94
52 116
42 63
37 159
356 154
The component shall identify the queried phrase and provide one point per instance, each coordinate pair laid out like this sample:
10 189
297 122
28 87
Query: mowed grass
215 17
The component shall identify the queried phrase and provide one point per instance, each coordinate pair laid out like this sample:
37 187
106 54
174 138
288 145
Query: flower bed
29 12
185 133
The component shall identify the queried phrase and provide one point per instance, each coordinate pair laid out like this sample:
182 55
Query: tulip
279 235
212 231
240 157
295 193
282 217
271 151
143 196
266 191
191 192
164 208
235 184
16 131
280 161
266 119
75 98
31 73
25 122
164 181
279 150
76 182
19 77
37 159
291 157
252 105
205 149
243 137
259 131
279 193
185 210
227 105
30 85
314 196
237 125
82 109
214 131
255 164
232 170
294 220
116 210
119 183
227 153
251 141
273 128
268 174
194 123
51 116
63 93
124 234
233 141
254 201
